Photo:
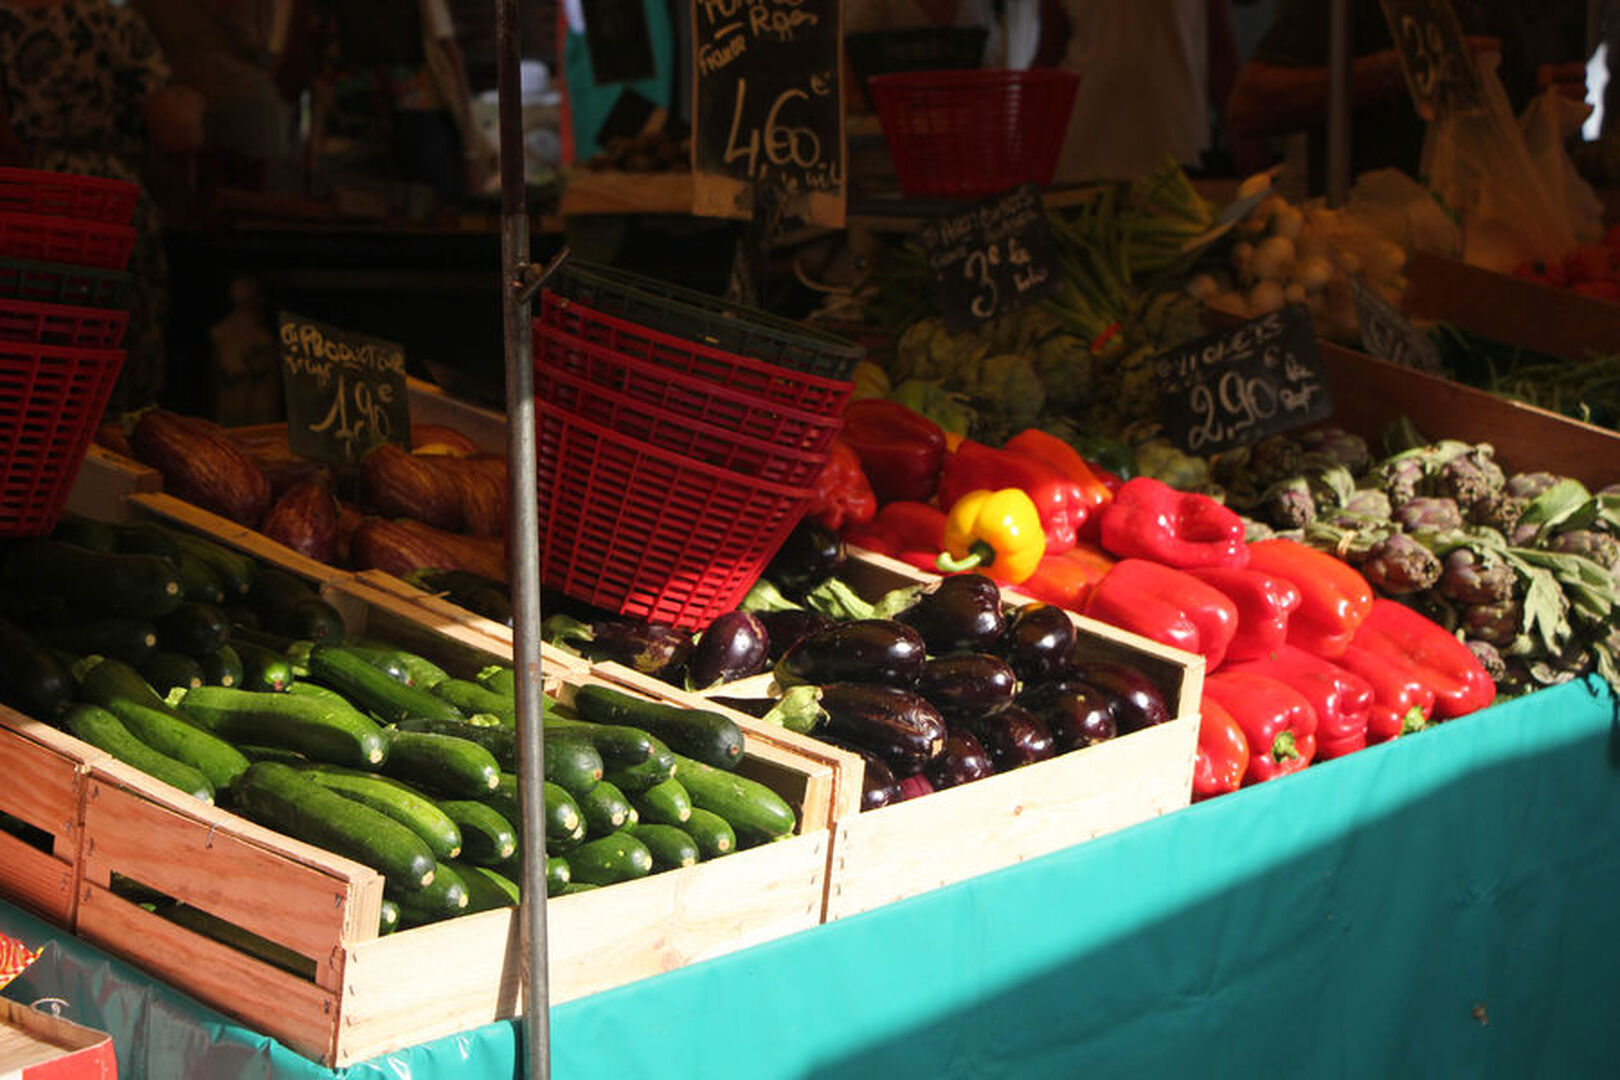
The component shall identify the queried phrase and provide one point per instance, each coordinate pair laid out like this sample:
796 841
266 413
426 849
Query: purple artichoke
1344 447
1429 512
1398 566
1601 548
1473 577
1490 658
1497 624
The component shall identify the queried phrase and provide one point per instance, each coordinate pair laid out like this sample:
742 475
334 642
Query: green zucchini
669 845
487 838
565 825
373 691
756 813
504 800
487 889
403 803
708 736
145 538
121 690
499 678
387 917
470 698
199 581
318 692
635 778
558 874
665 803
711 833
32 679
573 763
283 798
166 671
605 809
222 667
122 637
423 672
447 764
103 730
262 668
236 571
384 660
620 746
193 628
274 753
500 742
619 857
575 887
96 581
290 606
85 532
444 897
317 727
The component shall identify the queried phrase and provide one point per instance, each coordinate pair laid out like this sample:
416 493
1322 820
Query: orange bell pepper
1064 579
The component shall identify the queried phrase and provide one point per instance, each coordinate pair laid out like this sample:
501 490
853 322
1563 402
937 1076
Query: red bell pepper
1062 504
1223 751
1447 666
1276 718
1334 597
1341 699
1264 603
1149 519
910 531
1065 579
841 495
1167 605
900 450
1093 490
1401 703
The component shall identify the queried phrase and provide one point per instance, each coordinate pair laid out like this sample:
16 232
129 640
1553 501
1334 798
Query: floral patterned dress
75 75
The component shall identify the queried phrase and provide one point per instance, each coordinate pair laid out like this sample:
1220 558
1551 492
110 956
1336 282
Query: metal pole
525 530
1339 99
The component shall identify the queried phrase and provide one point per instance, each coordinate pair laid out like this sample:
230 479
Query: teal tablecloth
1442 906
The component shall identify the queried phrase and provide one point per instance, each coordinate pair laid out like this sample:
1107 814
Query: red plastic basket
741 375
88 198
59 283
65 240
51 399
971 134
62 324
646 532
687 399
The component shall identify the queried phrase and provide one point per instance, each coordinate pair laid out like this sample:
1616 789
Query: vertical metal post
525 528
1339 102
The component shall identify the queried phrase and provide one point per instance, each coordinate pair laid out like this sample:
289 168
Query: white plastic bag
1549 121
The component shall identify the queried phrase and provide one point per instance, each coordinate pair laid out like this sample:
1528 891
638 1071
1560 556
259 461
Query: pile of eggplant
933 686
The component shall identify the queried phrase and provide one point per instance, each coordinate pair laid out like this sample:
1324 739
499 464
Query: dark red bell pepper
1167 605
1093 490
1276 718
900 450
1334 597
1149 519
1065 579
1264 602
1061 502
1223 751
913 532
1447 666
1341 699
841 495
1402 703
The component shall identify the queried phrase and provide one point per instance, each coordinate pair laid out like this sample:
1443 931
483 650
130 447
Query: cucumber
499 678
711 833
401 802
499 741
665 803
166 670
193 628
573 763
222 667
756 813
198 580
317 727
565 825
708 736
487 838
121 690
85 532
444 897
669 845
487 890
145 538
122 637
558 874
384 660
504 801
619 746
373 691
103 730
287 605
387 917
262 668
620 857
637 778
283 798
96 581
471 698
447 764
235 570
318 692
423 672
32 680
604 808
273 753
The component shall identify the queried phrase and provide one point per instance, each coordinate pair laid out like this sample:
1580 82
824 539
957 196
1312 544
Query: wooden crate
45 771
104 478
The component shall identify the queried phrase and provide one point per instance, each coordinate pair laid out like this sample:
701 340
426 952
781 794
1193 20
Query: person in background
88 91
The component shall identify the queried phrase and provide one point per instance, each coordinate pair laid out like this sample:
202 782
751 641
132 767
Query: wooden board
184 515
104 478
45 770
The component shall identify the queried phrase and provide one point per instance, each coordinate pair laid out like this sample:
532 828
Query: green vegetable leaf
1555 505
765 596
835 597
1545 606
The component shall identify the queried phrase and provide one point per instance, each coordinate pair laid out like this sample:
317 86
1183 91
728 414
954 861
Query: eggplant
961 614
864 651
1076 713
913 786
733 646
898 725
650 648
1137 703
879 786
1014 737
783 628
811 554
963 761
1039 641
966 685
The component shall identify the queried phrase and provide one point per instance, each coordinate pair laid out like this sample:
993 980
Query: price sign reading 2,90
345 391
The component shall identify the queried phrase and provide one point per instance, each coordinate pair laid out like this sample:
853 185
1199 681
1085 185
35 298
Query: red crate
65 240
59 283
62 324
88 198
51 399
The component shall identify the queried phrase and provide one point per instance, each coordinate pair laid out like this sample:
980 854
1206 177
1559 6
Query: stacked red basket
678 437
64 241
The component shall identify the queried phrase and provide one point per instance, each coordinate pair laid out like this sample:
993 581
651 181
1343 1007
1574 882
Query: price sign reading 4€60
345 391
1236 386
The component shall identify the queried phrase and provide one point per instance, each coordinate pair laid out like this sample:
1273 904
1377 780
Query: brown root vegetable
379 544
305 519
201 465
397 483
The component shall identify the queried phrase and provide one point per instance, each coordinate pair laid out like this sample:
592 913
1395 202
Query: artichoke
1347 448
1465 481
1489 657
1498 624
1527 486
1398 566
1400 477
1500 511
1288 504
1600 547
1428 512
1471 576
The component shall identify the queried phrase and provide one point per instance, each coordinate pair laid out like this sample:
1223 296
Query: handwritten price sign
1435 57
1237 386
994 257
345 391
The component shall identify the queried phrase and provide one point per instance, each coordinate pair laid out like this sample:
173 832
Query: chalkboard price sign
992 258
345 391
1236 386
769 107
1388 335
1435 57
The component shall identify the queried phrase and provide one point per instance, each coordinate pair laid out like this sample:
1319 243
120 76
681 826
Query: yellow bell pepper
998 531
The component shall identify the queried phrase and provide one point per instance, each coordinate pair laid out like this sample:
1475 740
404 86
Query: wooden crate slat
44 773
38 881
104 479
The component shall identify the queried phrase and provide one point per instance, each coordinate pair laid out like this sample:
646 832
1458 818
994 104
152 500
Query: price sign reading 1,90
345 391
1234 387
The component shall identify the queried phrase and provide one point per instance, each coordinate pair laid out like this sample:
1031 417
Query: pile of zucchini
235 682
